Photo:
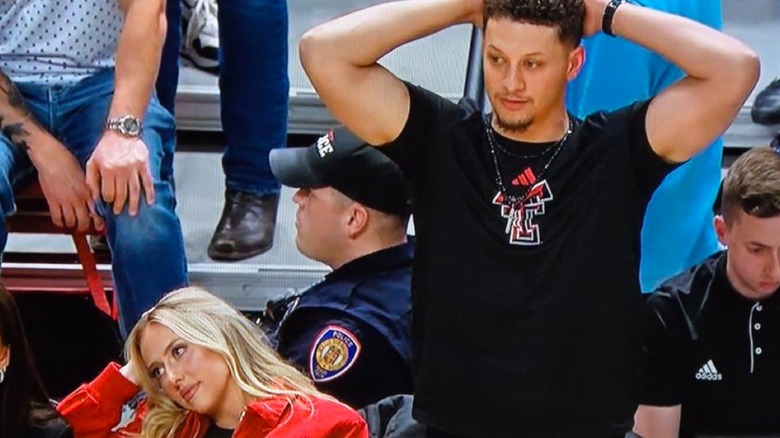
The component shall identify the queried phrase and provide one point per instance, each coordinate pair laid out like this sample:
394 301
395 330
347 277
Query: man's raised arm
340 57
720 74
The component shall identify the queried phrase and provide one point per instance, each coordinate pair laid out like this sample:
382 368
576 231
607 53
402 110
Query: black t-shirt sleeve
428 113
650 169
665 352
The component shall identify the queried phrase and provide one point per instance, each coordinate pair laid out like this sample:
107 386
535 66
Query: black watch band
609 14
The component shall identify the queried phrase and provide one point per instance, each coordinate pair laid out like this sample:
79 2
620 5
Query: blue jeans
677 231
253 86
147 250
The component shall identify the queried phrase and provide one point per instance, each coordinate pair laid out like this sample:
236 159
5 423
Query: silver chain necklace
497 144
515 202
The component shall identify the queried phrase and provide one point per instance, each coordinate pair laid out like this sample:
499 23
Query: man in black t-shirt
525 286
712 334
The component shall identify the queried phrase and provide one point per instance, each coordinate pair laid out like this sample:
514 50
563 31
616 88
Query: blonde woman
207 373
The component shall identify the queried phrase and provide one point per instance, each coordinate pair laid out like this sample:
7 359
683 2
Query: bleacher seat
32 216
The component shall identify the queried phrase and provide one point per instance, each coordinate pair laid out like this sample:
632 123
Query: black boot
766 107
246 227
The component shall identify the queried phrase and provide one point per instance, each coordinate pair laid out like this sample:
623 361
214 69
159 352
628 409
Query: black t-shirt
533 332
714 352
54 429
215 431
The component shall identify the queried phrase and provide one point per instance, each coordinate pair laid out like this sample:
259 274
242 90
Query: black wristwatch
127 125
609 14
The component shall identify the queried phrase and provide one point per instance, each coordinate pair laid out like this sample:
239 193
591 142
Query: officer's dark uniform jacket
714 352
352 331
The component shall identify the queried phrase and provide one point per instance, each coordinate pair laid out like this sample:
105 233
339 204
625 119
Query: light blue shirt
677 231
57 41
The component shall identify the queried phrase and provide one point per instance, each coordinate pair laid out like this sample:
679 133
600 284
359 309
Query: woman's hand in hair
128 371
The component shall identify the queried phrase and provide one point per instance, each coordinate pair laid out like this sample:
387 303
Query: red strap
94 282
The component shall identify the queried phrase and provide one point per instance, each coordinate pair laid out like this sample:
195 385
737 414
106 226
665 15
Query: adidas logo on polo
708 372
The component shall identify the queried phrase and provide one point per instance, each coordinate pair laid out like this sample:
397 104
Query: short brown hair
566 15
753 185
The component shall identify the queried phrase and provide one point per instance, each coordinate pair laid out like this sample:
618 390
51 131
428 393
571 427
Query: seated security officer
712 334
351 331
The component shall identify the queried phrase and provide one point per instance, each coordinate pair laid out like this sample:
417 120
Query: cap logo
325 145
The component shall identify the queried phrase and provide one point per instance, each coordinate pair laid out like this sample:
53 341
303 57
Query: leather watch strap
609 15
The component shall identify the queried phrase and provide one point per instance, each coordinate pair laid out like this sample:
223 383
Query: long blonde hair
202 319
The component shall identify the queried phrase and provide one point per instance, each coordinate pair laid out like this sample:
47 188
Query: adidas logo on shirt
708 372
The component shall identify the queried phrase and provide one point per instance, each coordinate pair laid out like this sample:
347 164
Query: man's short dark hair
753 185
566 15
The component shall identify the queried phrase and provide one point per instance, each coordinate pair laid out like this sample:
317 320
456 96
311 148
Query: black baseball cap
341 160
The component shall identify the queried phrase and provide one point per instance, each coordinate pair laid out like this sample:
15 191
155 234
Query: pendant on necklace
511 218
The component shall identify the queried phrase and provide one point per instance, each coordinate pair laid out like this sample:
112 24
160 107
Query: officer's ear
357 221
721 230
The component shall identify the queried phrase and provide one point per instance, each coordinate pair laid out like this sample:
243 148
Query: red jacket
94 410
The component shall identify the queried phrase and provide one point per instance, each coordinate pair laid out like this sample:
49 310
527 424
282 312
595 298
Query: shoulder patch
333 353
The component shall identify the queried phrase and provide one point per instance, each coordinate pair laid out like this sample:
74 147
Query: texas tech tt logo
521 225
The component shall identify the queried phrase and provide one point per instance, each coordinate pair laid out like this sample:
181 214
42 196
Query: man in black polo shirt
712 334
525 282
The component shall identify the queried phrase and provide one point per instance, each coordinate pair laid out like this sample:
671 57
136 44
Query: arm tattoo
12 107
15 98
16 133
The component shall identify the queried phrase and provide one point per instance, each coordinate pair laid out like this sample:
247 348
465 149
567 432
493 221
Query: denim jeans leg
6 188
168 77
254 89
147 250
13 165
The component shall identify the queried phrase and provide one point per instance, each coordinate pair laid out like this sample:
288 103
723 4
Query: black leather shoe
766 107
246 227
98 243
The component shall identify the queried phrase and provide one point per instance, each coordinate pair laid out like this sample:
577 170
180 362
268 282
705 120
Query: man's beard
512 126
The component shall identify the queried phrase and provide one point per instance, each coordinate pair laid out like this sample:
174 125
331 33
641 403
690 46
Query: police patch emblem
333 353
